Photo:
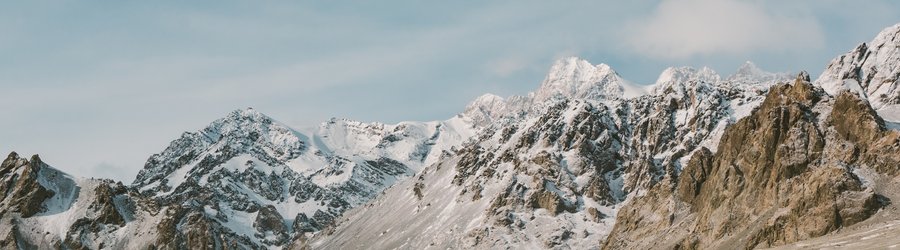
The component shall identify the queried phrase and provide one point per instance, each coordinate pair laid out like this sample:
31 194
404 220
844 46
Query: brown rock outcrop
777 176
20 190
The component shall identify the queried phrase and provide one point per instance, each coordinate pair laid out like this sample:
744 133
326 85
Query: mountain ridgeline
587 160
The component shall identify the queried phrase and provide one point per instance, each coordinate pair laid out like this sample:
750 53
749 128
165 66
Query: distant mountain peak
687 74
486 99
573 77
750 73
484 109
246 113
683 76
749 69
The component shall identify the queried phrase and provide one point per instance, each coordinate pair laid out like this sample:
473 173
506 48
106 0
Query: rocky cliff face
783 174
45 208
22 191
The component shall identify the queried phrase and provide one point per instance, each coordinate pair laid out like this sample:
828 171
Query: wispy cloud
679 29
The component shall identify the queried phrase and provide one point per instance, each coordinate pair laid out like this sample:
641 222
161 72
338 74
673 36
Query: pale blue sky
97 87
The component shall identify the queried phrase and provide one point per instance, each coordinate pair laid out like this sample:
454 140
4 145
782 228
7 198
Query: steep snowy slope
872 69
501 190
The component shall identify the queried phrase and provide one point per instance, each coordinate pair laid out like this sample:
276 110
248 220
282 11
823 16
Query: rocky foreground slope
785 173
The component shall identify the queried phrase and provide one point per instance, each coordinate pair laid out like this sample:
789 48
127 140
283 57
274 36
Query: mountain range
587 160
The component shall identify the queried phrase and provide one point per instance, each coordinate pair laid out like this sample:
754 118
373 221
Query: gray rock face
35 193
22 192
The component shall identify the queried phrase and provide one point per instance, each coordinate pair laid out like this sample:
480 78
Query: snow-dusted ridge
871 70
247 162
555 165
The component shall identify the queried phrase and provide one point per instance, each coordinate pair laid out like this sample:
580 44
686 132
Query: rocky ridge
553 172
244 181
265 183
45 208
798 167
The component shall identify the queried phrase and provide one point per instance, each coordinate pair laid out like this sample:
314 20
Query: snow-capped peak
486 100
242 116
748 70
683 75
574 77
249 125
687 74
484 109
750 73
870 69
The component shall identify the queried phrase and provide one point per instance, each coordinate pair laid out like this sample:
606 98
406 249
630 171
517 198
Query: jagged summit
244 115
750 73
577 78
243 131
12 156
484 109
748 68
247 123
486 100
248 111
687 74
803 76
748 76
681 76
871 69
